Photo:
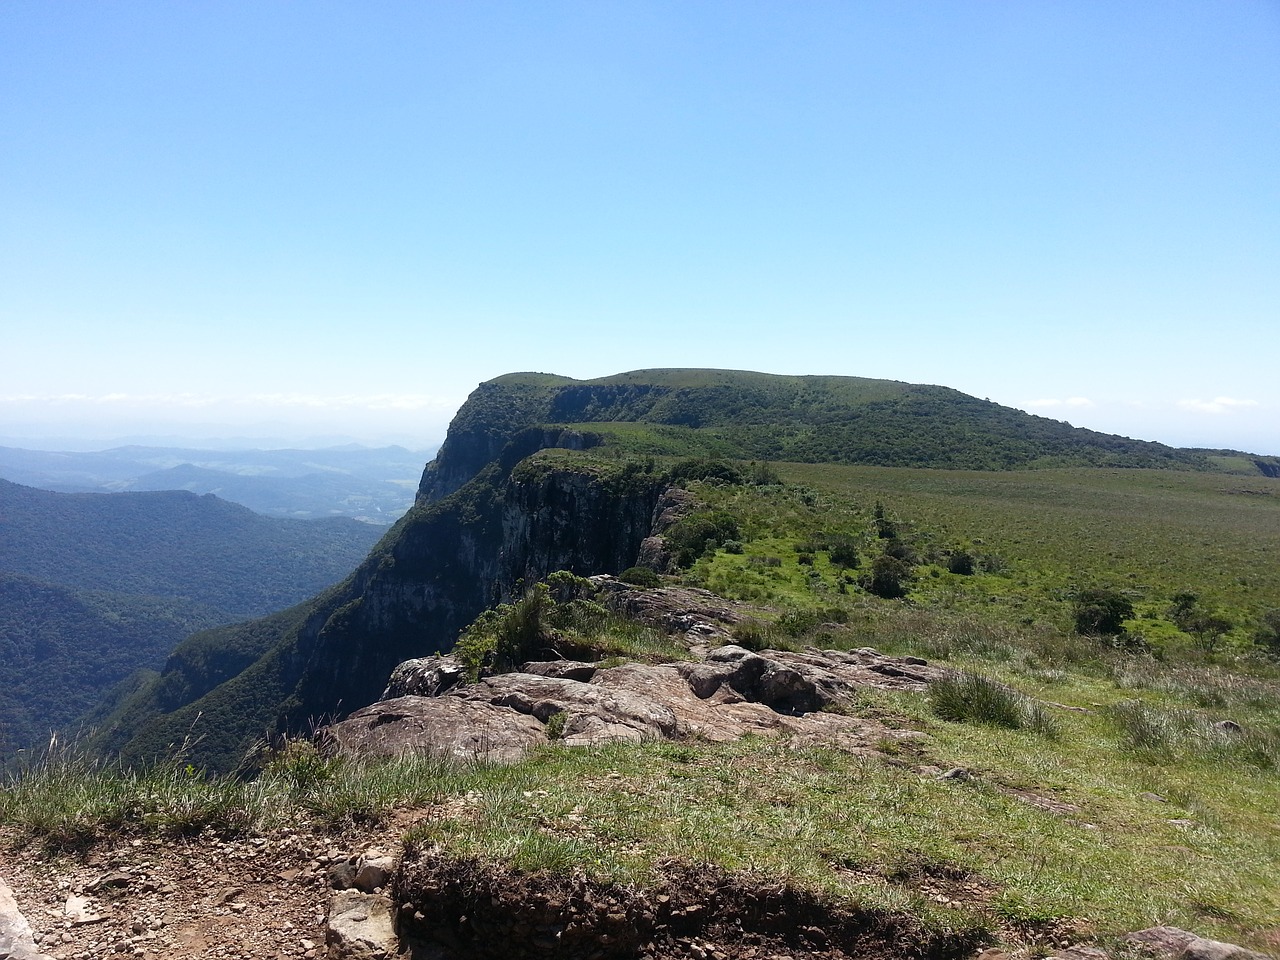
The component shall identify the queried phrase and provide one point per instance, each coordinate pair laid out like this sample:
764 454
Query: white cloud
1217 405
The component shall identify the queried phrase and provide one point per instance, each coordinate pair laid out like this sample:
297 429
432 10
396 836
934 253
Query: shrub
961 563
972 698
890 577
1267 635
640 577
885 528
566 586
844 553
555 725
712 470
901 550
1101 611
506 636
690 537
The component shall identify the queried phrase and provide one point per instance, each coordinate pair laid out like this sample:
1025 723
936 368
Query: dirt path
260 897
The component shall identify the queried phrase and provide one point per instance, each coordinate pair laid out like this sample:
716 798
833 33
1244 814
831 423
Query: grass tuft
970 698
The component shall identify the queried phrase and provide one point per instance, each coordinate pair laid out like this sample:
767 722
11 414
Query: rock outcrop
731 693
1172 943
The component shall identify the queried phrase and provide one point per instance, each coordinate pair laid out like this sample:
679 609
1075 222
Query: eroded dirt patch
477 911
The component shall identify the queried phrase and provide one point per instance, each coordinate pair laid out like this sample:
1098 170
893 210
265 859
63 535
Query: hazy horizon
228 436
260 219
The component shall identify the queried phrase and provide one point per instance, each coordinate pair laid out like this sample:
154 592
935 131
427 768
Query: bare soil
479 911
179 898
266 897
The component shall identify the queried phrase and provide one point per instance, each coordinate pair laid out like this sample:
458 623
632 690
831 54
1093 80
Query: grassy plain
1039 536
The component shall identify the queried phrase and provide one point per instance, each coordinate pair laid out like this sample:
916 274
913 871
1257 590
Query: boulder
1172 943
426 677
16 939
734 692
359 927
442 726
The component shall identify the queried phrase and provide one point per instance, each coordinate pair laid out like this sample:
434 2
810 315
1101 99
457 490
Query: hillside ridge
491 516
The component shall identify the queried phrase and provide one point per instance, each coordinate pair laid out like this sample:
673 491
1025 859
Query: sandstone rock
426 677
1079 953
79 911
1176 944
360 927
16 940
733 693
674 504
342 875
654 555
698 614
563 669
374 871
451 726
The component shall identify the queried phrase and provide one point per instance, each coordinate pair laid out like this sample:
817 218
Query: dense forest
94 587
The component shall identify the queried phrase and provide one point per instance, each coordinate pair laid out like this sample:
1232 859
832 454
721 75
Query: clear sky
300 219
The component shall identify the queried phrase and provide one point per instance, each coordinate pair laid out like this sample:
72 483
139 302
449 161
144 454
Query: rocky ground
202 897
296 895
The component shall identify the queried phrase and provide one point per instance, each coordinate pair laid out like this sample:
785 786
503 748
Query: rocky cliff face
465 553
515 519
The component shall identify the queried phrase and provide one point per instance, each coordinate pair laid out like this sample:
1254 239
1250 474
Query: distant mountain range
94 587
373 485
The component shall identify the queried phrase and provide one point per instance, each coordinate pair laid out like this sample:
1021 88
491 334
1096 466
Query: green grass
973 698
1037 536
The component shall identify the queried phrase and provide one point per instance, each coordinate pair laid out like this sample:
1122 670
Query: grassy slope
1149 533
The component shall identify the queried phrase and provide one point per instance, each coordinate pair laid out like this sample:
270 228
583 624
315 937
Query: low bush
970 698
645 577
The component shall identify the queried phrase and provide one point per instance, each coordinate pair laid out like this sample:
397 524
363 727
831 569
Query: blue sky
294 220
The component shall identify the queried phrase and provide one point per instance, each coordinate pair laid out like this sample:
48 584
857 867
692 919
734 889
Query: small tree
844 552
1206 626
1209 629
1267 635
1101 612
890 577
885 528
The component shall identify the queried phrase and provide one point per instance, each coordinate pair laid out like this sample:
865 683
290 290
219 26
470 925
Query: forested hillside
175 544
809 420
94 587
